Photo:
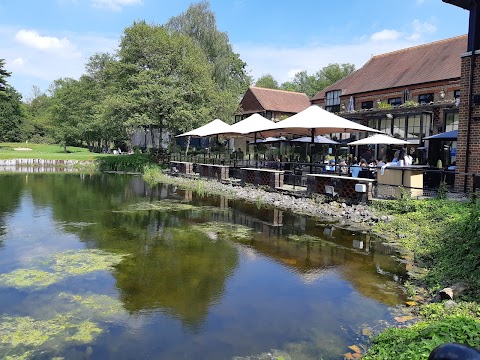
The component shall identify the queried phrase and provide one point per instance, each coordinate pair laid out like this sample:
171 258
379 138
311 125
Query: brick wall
449 86
474 148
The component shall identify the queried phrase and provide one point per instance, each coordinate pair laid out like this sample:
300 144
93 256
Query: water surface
105 267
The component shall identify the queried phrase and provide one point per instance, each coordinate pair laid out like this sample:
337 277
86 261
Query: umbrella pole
255 150
311 147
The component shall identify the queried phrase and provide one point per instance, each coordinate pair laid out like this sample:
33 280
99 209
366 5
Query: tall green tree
3 77
311 84
66 111
11 115
267 81
37 126
165 81
229 71
332 73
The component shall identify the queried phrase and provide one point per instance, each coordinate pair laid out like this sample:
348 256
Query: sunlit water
203 278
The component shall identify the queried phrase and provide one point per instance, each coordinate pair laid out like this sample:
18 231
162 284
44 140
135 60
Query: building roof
434 61
274 100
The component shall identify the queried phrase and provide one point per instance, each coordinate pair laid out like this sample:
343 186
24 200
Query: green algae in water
59 267
224 230
98 306
76 321
24 332
304 238
23 278
159 206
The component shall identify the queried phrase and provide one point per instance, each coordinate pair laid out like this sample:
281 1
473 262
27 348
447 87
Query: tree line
309 84
171 77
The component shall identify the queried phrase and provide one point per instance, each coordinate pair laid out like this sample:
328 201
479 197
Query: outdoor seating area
291 154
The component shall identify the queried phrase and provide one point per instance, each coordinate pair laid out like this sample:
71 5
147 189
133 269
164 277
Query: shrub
133 162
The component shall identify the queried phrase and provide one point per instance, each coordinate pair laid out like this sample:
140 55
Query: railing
295 173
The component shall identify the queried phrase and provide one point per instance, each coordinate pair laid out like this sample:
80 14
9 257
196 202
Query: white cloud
291 73
114 4
386 34
420 2
33 39
284 62
37 60
421 28
18 62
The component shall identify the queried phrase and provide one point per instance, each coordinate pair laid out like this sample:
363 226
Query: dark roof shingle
425 63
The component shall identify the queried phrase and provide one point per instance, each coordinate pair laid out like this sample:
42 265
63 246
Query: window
386 126
372 123
414 126
425 98
367 104
456 94
395 101
451 121
332 103
399 127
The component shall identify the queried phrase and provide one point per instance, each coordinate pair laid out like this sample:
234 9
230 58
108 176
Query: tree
3 75
229 71
267 81
66 111
165 81
37 126
332 73
311 84
11 115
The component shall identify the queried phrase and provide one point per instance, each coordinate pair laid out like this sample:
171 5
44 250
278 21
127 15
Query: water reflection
212 277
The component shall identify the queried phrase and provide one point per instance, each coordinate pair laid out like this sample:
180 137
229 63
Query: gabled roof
274 100
434 61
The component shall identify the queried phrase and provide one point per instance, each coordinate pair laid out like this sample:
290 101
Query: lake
103 266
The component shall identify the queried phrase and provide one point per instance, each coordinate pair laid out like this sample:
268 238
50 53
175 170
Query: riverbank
359 216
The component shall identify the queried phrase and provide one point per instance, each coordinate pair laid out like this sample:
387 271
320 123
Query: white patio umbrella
214 127
317 140
379 139
249 125
313 121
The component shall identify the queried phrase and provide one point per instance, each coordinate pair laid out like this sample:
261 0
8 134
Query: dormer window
425 98
332 102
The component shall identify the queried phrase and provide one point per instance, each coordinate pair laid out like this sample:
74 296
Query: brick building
410 94
273 104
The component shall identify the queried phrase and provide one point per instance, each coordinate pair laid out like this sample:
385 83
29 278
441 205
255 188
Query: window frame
429 95
364 105
396 101
332 100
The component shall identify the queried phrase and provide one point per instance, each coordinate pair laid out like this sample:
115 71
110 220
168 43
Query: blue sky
43 40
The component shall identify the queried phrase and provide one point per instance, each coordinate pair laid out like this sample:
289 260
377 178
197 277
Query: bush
417 341
133 162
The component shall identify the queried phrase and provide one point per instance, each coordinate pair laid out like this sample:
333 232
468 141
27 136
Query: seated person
342 167
355 170
331 166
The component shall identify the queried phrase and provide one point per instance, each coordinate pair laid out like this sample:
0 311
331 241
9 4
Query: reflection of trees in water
171 268
11 190
181 271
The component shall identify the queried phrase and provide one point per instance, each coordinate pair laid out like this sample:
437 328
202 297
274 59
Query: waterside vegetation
443 235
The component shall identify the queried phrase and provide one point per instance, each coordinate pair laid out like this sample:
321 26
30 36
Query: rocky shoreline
357 215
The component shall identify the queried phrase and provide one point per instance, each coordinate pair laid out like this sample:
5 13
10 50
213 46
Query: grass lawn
46 152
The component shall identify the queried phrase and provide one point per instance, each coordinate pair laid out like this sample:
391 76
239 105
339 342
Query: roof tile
280 100
425 63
